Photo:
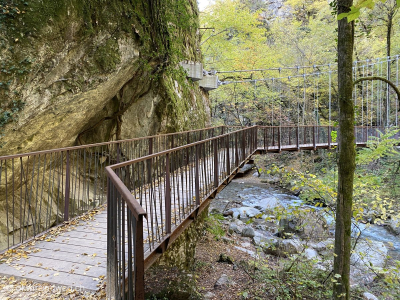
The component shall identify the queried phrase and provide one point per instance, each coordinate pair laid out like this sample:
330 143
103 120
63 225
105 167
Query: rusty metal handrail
129 162
55 150
41 189
76 173
200 167
203 166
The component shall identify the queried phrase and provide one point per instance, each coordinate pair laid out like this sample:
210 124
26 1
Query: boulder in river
306 223
234 228
284 248
394 226
369 296
368 258
243 212
222 282
248 232
264 241
263 204
369 254
311 254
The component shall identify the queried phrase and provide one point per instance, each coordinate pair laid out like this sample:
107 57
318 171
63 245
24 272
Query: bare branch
371 78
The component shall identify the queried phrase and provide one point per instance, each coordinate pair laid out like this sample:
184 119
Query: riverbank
245 254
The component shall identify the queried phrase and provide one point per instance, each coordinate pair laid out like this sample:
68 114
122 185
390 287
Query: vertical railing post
228 163
265 137
215 144
250 138
67 186
187 149
329 137
200 148
118 154
365 134
273 136
279 139
290 135
111 242
197 175
139 259
243 145
255 138
236 150
167 195
313 133
297 138
150 161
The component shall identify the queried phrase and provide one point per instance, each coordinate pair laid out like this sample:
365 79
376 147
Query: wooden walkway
75 255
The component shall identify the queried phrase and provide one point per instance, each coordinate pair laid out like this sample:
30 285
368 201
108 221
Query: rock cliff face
270 9
77 72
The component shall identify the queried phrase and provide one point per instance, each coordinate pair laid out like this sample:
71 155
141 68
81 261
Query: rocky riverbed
279 224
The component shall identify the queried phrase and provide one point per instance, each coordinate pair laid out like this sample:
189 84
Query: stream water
373 232
250 190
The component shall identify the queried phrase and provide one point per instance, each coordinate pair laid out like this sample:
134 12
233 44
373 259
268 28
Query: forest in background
280 43
280 38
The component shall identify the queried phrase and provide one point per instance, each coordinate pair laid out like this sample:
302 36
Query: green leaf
366 3
353 15
342 15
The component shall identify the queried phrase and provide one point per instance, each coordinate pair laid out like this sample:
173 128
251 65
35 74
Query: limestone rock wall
76 72
182 252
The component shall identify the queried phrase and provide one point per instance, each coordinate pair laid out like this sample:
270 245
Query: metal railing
152 199
42 189
153 186
292 138
166 188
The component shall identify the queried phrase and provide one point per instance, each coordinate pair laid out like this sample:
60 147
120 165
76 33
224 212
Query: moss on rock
107 56
55 54
182 252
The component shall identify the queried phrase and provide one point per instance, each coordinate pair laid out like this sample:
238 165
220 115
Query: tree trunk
388 45
346 163
389 29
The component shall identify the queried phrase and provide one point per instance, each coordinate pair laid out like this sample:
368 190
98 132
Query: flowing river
249 191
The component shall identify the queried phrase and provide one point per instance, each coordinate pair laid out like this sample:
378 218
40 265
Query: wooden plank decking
76 256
